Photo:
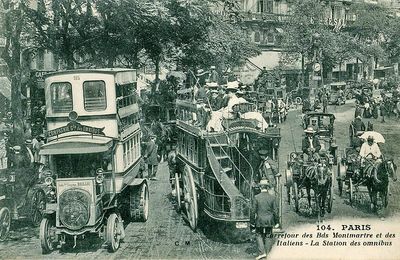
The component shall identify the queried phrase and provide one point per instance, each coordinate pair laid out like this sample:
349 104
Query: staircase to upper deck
234 175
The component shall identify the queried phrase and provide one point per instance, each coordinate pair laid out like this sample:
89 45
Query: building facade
264 22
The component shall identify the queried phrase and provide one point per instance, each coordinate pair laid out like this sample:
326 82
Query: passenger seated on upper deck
221 100
214 100
233 97
201 95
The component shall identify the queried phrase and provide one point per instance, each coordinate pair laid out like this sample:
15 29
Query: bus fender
137 181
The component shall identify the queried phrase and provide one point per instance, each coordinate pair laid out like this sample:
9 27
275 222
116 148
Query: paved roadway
166 234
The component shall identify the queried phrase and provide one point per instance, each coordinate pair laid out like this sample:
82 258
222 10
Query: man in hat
240 95
151 158
222 99
37 143
358 124
264 217
310 144
213 97
37 128
268 168
370 149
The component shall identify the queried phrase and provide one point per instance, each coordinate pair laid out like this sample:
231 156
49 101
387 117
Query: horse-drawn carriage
312 175
322 123
365 175
337 93
216 167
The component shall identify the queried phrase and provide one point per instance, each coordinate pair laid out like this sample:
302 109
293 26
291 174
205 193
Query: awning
5 87
77 145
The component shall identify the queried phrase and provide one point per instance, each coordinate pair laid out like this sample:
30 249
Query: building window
260 6
61 97
270 6
270 38
40 60
94 95
257 37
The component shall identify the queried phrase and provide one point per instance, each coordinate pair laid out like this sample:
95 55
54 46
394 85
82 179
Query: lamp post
317 60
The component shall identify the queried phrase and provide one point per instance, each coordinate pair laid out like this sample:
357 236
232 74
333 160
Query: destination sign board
75 126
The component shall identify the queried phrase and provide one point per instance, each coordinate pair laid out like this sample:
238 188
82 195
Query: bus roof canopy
122 75
77 145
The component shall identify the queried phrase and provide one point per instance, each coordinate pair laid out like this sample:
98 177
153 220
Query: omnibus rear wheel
139 203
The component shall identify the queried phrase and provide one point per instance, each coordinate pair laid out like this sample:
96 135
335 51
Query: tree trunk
13 29
303 79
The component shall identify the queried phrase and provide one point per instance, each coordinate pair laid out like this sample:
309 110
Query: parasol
378 138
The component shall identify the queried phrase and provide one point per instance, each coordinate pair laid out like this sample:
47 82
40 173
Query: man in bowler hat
264 217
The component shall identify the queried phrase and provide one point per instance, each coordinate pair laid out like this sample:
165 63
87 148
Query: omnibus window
94 94
61 97
81 165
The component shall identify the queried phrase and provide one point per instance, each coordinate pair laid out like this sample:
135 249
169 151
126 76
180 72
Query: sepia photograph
200 129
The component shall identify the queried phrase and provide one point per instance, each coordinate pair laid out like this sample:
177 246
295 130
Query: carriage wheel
47 235
296 196
37 204
330 199
178 193
190 197
351 192
351 134
288 193
289 182
340 176
5 223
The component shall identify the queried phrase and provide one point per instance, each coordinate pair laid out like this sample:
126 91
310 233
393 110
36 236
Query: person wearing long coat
151 157
264 217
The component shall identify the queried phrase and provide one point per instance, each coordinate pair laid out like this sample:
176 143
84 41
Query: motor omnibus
93 149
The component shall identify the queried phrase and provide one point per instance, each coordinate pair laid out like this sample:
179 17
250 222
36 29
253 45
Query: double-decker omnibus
216 168
93 149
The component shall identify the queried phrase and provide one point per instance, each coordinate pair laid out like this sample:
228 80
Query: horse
318 178
378 180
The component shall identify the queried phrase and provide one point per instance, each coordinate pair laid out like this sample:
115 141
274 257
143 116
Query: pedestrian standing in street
151 158
324 103
36 145
265 217
37 128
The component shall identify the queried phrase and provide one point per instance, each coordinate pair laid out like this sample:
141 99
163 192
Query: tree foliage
15 29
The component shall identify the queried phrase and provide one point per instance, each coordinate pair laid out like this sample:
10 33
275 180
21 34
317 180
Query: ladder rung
221 157
226 169
218 145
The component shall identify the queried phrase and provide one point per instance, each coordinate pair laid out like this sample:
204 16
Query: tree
371 29
15 29
68 28
305 24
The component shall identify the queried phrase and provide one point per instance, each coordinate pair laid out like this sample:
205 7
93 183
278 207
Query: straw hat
309 130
